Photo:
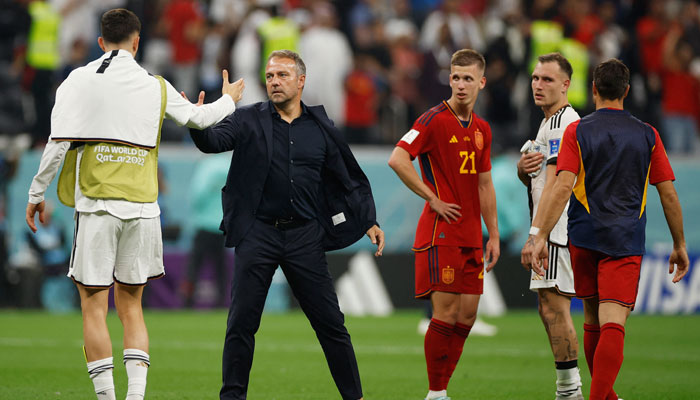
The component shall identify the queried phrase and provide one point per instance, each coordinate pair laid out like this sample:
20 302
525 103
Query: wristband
534 230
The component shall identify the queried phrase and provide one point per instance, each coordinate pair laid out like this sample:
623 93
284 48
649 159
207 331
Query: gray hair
300 66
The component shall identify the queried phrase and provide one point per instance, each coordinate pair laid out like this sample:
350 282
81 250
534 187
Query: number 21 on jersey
466 157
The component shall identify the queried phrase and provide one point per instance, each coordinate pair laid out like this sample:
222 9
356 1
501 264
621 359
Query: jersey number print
467 156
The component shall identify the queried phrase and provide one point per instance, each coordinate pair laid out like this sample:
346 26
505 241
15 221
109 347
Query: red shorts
612 279
449 269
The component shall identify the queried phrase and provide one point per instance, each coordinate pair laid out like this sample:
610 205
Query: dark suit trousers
299 252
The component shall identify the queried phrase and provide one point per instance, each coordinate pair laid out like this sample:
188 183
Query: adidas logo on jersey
454 139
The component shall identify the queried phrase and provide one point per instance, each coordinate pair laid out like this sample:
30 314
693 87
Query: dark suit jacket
345 190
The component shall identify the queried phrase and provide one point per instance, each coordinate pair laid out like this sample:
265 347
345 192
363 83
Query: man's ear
101 43
135 44
567 84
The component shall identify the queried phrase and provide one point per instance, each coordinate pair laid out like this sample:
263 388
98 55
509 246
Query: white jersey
81 112
549 140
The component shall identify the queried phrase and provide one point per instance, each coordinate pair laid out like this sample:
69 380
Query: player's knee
448 315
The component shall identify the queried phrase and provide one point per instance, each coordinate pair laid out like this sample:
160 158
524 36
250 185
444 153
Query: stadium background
376 65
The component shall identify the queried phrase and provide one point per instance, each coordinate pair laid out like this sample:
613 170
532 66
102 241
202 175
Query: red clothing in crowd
181 16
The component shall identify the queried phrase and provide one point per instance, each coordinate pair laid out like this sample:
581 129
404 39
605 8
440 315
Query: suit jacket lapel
266 122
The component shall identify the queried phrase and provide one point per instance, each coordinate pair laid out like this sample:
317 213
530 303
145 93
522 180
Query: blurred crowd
376 65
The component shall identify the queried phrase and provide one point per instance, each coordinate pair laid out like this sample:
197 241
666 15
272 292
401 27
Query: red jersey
452 153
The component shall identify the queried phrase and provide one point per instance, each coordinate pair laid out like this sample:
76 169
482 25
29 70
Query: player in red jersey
454 146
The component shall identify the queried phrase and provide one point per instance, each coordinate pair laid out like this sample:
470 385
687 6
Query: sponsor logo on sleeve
410 136
554 146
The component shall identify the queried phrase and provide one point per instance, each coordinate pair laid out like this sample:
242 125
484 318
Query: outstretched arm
400 162
674 218
199 115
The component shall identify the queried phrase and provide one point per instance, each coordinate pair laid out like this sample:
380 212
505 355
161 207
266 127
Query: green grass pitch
41 358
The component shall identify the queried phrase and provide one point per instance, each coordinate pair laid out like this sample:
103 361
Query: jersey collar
464 124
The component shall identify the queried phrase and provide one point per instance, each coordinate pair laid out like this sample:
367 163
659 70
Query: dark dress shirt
292 186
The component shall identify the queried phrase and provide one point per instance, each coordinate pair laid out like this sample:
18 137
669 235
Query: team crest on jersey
448 275
479 139
554 146
454 139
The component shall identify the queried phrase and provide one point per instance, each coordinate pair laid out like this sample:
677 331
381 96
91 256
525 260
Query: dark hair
118 25
564 64
467 57
300 66
611 79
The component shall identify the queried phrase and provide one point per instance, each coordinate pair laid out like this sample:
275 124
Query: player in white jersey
107 117
537 170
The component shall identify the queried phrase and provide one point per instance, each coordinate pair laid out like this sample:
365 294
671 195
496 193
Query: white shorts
559 275
108 249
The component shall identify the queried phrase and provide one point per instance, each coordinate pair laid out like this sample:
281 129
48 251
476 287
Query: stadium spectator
607 218
454 145
681 95
281 210
245 53
405 73
651 30
580 21
116 208
361 102
537 171
499 96
435 78
43 59
186 27
328 58
464 28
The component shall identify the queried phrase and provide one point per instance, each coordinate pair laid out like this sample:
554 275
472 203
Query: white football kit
559 275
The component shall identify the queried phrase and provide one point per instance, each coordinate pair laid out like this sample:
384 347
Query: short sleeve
417 140
660 169
569 157
485 161
554 136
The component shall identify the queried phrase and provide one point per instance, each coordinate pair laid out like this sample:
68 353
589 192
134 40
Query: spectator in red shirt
185 26
681 95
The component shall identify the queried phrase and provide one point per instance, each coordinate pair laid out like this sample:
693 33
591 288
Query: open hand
235 89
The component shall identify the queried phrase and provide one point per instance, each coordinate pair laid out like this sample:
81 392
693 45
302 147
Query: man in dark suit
294 191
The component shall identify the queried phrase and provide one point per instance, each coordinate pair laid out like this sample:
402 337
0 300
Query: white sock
432 394
568 380
101 374
136 363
